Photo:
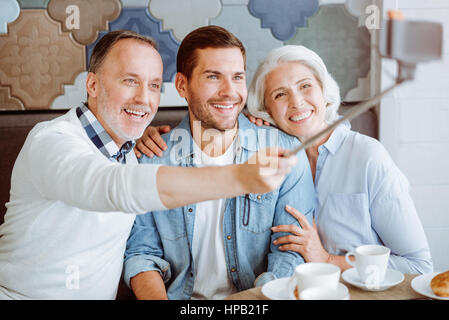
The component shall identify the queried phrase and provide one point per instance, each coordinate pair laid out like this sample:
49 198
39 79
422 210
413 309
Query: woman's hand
305 240
151 142
257 121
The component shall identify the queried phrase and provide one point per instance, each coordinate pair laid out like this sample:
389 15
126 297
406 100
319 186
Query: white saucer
421 284
279 289
392 278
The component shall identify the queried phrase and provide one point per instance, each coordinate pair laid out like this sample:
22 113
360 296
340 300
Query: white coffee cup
323 293
370 262
314 274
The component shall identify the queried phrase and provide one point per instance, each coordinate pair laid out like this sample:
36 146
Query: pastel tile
141 21
336 37
183 16
37 59
257 41
7 102
9 12
170 96
361 92
134 3
283 17
331 1
358 8
33 4
235 2
87 20
74 94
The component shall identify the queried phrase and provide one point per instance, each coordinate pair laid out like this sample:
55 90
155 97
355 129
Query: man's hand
266 170
257 121
151 142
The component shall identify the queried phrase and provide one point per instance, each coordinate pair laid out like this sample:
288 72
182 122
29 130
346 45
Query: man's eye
239 77
155 86
212 76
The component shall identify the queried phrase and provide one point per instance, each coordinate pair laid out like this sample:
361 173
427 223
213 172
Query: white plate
278 289
392 278
421 284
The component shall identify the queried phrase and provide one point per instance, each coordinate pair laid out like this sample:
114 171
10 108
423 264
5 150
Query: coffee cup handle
349 254
291 288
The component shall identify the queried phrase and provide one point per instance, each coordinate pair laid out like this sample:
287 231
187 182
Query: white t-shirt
211 279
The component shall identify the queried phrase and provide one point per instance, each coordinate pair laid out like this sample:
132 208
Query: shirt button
259 197
233 270
190 210
229 237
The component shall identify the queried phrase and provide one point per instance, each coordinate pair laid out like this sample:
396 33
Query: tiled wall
45 45
414 127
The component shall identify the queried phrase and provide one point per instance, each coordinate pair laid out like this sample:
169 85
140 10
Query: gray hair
331 91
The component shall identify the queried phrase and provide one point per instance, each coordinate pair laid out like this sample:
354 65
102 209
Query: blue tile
344 46
283 17
141 21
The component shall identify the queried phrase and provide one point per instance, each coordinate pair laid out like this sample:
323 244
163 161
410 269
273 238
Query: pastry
440 284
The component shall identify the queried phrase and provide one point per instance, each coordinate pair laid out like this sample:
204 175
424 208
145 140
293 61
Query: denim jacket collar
245 127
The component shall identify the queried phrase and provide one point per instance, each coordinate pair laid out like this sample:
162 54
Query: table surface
402 291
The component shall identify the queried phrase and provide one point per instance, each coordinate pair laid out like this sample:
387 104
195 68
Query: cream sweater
69 215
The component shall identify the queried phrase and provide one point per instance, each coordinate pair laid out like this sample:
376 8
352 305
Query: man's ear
92 85
181 84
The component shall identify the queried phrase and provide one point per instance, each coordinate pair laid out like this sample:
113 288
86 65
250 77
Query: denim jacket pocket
170 225
257 211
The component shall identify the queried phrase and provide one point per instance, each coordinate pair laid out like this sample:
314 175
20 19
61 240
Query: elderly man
73 202
214 248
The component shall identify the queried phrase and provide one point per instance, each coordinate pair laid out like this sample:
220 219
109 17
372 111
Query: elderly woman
362 196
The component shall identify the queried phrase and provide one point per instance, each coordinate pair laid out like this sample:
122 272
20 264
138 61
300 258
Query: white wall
414 127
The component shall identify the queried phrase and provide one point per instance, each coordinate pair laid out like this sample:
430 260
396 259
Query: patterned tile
74 94
140 20
358 9
334 35
37 59
84 19
7 102
235 2
9 12
134 3
283 17
257 41
170 96
361 92
33 4
183 16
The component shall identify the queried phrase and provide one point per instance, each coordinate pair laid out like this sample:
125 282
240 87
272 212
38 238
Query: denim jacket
162 240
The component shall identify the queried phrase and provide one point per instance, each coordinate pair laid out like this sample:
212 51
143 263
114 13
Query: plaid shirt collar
102 140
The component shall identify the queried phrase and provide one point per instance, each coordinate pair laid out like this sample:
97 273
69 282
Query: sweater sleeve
64 166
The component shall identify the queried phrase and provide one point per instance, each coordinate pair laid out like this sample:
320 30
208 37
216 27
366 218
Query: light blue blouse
363 198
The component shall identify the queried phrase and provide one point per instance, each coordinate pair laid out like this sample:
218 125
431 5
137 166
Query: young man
214 248
73 201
